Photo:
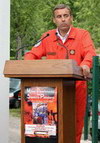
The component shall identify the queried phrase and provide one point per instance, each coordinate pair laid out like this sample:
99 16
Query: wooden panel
69 130
66 132
47 83
41 68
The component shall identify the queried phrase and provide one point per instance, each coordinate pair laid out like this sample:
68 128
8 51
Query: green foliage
21 23
15 112
87 17
31 18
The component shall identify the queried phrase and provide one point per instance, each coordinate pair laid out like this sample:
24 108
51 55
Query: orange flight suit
78 46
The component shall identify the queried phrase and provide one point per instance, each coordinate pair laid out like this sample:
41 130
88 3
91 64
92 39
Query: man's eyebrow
58 15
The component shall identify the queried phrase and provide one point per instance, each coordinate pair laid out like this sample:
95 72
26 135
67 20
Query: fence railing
95 97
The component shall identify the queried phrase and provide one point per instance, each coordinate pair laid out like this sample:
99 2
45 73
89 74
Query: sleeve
36 52
88 50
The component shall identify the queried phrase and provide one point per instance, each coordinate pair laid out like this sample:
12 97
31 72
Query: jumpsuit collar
61 37
72 34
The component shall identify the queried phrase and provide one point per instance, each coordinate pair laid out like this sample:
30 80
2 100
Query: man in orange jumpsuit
68 42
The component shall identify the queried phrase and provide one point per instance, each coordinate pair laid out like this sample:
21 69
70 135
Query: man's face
62 19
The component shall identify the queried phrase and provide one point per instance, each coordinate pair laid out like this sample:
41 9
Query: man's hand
85 70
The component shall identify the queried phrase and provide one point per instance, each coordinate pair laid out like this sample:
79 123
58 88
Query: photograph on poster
40 112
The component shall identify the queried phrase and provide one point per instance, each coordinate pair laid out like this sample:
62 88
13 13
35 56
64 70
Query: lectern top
65 68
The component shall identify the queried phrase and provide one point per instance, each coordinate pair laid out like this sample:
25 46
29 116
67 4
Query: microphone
56 34
30 45
42 39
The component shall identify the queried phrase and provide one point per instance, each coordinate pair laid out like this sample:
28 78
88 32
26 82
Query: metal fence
95 97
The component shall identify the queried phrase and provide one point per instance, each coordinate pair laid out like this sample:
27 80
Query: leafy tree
87 16
31 18
22 26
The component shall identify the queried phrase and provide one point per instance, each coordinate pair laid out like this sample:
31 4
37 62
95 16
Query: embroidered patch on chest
72 52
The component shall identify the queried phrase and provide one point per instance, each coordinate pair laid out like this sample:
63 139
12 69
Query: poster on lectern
40 112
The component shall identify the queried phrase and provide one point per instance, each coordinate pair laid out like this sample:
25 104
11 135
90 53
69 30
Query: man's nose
63 18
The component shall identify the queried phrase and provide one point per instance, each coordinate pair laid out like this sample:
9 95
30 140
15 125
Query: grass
15 112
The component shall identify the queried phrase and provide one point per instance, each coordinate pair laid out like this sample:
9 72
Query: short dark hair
61 6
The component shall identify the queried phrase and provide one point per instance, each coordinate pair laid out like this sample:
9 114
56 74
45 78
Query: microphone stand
16 56
67 56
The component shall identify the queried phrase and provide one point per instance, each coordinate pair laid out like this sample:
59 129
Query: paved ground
14 130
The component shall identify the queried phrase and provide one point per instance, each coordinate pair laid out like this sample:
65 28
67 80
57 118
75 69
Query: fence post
95 92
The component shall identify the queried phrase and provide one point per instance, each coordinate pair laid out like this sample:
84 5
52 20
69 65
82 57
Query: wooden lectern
50 73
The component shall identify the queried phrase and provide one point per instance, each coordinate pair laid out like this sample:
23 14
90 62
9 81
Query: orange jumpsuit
78 46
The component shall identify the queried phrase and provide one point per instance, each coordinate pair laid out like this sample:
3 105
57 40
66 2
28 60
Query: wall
4 55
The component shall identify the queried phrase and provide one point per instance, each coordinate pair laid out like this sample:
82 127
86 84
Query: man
72 43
